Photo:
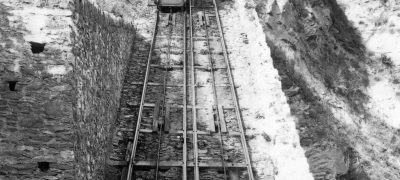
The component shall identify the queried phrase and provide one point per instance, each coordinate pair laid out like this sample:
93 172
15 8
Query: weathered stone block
41 138
35 86
31 122
25 148
67 155
54 108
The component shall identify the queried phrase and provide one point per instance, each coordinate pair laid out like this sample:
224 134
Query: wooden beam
222 118
175 164
232 133
196 7
200 15
156 115
160 164
211 117
234 174
128 151
219 164
180 37
116 163
207 20
146 130
189 164
173 19
167 117
178 106
176 85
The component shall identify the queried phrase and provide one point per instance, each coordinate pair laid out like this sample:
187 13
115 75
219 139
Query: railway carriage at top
167 3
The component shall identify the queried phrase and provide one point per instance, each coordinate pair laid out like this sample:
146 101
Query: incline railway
186 122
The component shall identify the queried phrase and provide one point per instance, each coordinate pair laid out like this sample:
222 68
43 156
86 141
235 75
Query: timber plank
156 115
167 117
211 118
222 118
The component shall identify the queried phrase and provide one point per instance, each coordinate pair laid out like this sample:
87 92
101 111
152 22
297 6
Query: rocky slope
379 24
276 154
345 118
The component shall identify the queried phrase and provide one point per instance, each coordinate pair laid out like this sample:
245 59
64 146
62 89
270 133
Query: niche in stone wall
36 47
11 85
43 166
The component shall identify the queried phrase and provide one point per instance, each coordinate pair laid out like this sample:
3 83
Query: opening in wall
43 166
11 85
37 48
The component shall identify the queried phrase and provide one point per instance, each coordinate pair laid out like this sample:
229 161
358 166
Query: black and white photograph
199 89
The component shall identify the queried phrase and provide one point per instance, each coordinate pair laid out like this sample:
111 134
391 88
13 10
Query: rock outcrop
316 48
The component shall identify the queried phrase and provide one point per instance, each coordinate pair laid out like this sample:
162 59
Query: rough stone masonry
35 90
61 65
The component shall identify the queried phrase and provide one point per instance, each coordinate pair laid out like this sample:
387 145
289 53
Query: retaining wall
36 113
102 47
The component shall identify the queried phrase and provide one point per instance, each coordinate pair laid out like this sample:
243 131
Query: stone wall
39 41
36 115
102 46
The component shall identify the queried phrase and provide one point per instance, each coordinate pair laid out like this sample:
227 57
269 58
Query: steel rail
135 140
214 89
160 132
184 124
234 95
194 113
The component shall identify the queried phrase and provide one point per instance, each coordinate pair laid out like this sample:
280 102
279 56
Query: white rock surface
379 25
260 91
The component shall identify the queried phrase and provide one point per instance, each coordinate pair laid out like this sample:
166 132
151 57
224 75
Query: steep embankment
275 152
328 75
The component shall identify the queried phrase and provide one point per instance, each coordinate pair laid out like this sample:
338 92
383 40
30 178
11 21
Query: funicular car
167 3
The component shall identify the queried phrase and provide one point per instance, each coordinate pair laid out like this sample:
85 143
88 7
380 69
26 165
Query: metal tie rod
184 124
195 148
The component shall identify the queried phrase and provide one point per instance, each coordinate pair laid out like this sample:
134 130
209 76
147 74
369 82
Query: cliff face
328 74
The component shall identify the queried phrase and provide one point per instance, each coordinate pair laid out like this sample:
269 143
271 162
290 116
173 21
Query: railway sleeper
166 164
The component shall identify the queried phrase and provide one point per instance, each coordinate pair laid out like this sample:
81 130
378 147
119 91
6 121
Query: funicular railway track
188 122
